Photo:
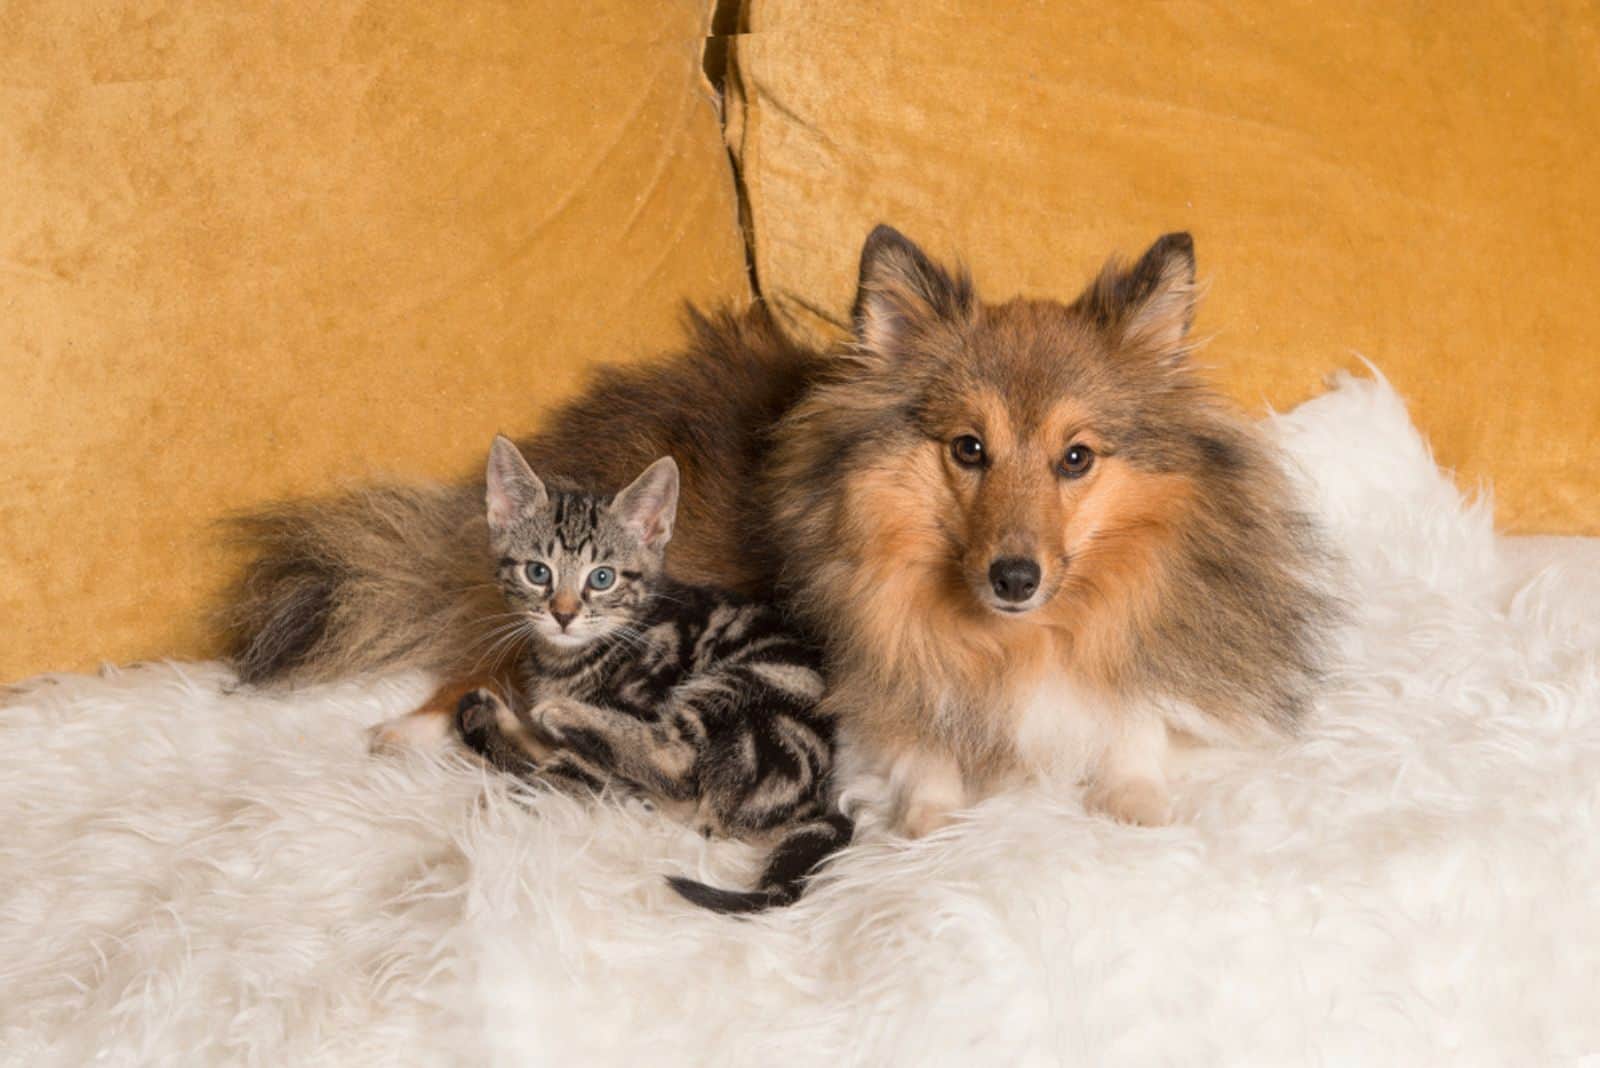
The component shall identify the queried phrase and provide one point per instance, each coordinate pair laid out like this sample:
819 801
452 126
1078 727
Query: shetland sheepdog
1032 540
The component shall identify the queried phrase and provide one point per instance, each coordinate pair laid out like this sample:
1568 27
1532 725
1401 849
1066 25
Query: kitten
683 694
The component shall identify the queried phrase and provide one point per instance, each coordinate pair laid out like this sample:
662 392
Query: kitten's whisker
508 644
478 586
507 615
504 617
497 632
631 636
496 640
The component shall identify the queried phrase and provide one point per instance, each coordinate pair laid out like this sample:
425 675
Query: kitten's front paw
555 719
477 712
1143 802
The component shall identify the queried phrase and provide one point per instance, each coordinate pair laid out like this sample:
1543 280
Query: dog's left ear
1150 306
900 288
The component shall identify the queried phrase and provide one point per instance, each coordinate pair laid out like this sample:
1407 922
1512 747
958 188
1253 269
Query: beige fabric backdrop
251 249
1415 182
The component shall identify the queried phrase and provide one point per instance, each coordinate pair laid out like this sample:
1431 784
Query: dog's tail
372 579
403 576
802 850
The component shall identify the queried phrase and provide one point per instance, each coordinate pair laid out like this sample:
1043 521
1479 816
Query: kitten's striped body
691 696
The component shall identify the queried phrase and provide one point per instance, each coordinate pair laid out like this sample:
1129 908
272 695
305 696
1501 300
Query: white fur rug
193 877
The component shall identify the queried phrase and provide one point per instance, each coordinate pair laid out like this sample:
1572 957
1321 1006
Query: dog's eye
538 573
602 578
1077 461
967 450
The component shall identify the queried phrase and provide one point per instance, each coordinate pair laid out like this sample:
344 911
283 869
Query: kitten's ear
512 487
650 504
900 288
1150 306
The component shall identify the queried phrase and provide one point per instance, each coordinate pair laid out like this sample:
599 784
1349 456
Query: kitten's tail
376 578
799 853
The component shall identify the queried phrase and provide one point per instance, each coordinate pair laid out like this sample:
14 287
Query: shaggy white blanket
190 876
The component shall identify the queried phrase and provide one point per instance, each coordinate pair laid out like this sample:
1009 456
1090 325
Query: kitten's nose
1014 578
562 618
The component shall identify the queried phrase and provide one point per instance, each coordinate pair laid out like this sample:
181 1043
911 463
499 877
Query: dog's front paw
1143 802
922 818
929 790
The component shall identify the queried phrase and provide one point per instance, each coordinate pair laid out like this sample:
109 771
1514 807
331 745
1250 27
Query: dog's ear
1150 306
511 486
650 503
901 288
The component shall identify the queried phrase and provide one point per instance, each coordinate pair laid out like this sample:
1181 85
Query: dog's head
1024 449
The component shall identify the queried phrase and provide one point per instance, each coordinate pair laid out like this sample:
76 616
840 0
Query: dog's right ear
901 288
1150 306
511 486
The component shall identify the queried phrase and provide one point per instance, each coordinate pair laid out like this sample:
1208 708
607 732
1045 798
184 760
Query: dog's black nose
1014 578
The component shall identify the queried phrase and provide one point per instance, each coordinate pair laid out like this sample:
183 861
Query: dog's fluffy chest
1061 728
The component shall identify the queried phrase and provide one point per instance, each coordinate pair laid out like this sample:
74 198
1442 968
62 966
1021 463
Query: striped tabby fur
693 697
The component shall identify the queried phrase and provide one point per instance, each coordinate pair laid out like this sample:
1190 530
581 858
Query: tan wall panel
1414 182
252 249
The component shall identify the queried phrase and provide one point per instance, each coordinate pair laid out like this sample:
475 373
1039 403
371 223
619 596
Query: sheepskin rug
190 875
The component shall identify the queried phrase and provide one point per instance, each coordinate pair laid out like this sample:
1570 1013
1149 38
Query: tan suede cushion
250 249
1416 183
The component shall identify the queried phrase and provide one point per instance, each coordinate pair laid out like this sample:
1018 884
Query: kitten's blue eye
538 574
602 578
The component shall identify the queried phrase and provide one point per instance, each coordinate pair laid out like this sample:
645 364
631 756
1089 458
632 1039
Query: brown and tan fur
1179 584
1179 587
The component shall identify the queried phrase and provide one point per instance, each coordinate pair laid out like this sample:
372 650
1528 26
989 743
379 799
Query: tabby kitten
683 694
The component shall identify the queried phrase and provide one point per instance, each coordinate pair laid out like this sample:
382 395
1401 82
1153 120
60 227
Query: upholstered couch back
251 251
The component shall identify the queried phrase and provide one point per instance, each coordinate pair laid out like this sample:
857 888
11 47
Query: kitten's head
579 565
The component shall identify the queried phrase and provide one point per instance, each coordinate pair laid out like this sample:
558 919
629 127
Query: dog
1033 541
